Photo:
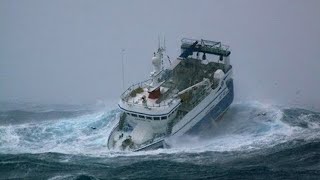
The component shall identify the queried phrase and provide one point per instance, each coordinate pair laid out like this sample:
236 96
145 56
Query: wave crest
245 127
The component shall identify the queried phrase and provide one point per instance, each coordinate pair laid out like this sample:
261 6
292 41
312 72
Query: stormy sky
70 51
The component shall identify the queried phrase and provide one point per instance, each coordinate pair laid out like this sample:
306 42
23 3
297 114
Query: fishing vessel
189 94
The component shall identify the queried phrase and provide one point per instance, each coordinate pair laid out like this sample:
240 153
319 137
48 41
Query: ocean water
251 141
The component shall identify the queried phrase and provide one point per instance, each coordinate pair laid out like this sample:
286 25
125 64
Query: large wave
71 134
252 140
245 127
250 126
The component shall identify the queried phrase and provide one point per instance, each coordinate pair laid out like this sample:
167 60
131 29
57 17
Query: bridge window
134 115
163 117
156 118
140 116
148 117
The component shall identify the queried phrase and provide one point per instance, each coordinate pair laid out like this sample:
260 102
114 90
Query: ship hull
154 145
213 115
216 111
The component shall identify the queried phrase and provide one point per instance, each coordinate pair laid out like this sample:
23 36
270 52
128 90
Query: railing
125 96
206 46
140 84
133 87
161 104
205 43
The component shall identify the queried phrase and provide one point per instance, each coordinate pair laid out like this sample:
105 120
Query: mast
157 62
122 67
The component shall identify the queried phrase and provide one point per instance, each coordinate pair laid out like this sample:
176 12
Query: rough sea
251 141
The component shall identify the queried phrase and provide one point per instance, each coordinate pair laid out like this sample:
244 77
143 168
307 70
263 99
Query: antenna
158 42
122 66
164 42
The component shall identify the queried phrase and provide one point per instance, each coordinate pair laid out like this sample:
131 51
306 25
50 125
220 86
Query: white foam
242 129
71 136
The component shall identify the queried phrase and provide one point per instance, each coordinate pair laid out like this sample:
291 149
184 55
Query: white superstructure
176 99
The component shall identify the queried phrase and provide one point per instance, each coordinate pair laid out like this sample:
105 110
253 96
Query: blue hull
216 112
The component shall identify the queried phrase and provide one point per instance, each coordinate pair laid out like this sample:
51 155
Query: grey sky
69 51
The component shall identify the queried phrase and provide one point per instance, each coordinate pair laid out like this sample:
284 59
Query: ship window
134 115
163 117
156 118
140 116
148 117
